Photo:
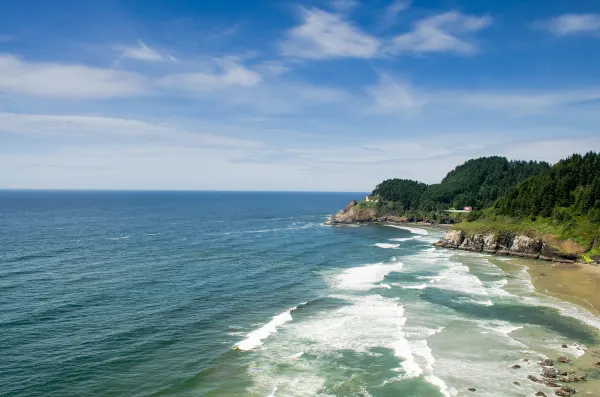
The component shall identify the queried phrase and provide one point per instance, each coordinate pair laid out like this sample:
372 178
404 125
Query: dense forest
477 183
562 201
570 188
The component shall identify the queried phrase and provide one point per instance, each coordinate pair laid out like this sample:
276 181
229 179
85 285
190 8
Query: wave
418 286
387 245
119 238
413 230
401 239
255 338
364 278
295 226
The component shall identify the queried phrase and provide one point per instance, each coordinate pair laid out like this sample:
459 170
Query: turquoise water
248 294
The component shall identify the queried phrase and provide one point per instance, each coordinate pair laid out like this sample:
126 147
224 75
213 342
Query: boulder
526 245
549 373
490 243
551 383
472 389
563 359
541 394
516 366
452 239
517 383
533 378
564 346
565 391
573 378
546 363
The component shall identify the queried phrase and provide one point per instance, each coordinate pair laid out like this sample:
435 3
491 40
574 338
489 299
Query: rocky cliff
354 213
504 243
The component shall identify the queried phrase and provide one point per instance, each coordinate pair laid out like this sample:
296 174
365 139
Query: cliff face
503 244
354 213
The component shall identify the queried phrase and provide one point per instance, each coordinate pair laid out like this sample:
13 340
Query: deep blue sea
249 294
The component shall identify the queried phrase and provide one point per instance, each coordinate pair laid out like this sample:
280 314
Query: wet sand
578 284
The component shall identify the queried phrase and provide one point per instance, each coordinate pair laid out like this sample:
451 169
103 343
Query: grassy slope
569 237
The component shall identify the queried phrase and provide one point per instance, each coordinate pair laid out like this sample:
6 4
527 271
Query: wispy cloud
390 96
6 38
393 9
142 52
523 102
440 33
102 130
324 35
225 72
570 24
69 81
344 5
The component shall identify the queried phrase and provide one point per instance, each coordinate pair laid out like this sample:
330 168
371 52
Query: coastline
577 284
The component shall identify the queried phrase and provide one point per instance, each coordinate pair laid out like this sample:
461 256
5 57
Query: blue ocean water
249 294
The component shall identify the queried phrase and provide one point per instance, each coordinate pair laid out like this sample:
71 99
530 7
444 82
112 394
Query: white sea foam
401 239
565 308
498 326
363 278
417 286
413 230
387 245
119 238
255 338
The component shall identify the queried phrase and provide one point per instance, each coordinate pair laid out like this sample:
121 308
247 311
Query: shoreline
579 285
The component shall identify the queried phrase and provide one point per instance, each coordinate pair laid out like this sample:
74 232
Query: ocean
249 294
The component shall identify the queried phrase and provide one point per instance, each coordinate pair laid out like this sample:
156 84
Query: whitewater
247 294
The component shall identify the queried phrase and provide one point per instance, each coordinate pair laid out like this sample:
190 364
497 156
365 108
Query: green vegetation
477 183
561 202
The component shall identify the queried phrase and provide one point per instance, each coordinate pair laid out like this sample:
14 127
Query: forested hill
477 183
569 189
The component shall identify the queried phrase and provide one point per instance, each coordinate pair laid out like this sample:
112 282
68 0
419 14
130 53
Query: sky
323 95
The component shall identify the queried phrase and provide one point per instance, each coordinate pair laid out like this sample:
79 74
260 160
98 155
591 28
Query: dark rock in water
549 373
574 378
472 389
565 391
598 364
533 378
517 383
541 394
547 363
551 383
563 359
525 360
564 346
516 366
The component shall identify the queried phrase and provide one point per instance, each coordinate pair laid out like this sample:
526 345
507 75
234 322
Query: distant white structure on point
468 209
368 199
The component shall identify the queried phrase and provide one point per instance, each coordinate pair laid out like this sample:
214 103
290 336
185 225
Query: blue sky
331 95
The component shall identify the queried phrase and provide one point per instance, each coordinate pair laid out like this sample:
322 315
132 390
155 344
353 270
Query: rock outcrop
505 243
356 214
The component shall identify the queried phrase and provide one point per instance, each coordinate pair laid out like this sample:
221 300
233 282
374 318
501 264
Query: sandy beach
578 284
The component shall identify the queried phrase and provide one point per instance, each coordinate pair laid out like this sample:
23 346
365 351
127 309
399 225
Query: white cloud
390 96
569 24
522 102
224 73
142 52
344 5
103 130
395 8
69 81
325 35
440 33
